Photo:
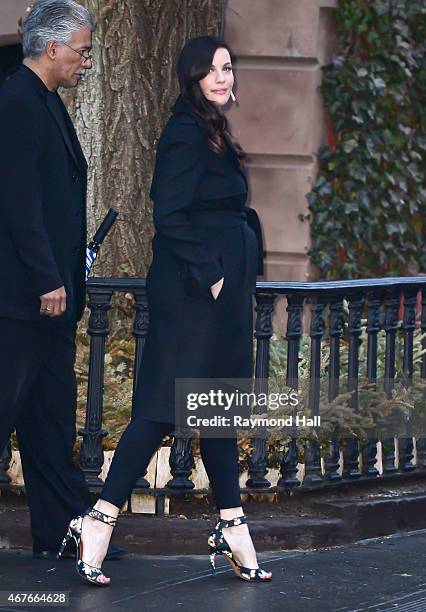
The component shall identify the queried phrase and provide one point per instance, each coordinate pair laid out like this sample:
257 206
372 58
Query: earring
233 98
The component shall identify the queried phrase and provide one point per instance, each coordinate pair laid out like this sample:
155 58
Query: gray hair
53 20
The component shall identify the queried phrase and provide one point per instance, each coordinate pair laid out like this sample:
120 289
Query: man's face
70 65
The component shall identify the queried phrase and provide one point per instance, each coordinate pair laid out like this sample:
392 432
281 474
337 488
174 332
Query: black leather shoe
114 552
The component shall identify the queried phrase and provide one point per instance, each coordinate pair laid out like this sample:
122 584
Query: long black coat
42 201
201 236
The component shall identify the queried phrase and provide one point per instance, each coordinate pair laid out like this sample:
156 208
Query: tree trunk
121 107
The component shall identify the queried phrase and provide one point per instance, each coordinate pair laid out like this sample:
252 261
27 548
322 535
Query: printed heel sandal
86 571
219 546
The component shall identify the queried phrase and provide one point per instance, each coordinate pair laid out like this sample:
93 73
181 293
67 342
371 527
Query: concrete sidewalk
382 574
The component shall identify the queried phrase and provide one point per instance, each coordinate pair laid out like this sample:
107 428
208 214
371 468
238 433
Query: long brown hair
194 63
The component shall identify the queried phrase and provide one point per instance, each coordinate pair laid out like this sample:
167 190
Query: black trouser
38 396
137 445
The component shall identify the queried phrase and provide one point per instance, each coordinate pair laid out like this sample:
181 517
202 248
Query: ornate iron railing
378 299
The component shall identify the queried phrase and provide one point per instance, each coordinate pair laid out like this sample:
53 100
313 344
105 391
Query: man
42 263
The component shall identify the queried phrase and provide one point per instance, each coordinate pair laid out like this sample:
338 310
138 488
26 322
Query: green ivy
368 203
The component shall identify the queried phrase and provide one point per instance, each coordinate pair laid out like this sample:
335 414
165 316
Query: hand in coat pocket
216 288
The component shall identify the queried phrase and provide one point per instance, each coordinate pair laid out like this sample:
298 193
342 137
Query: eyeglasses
85 55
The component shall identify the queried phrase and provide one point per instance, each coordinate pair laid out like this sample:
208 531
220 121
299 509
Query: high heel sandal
86 571
219 546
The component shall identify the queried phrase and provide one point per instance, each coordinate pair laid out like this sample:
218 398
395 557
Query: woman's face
217 85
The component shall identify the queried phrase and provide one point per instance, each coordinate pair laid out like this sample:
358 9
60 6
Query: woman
205 258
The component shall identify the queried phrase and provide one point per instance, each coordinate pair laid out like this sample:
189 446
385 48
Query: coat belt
224 218
218 218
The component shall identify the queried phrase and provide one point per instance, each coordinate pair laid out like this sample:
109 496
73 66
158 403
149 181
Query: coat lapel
66 128
75 141
181 106
234 157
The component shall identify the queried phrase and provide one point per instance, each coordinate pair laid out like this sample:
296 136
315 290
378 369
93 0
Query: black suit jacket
43 176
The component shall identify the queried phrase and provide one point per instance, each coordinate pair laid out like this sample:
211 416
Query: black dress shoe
114 552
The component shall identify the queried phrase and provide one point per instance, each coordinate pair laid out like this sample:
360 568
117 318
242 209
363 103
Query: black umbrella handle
103 229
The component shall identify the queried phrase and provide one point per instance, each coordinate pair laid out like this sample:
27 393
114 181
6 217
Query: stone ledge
323 523
377 517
